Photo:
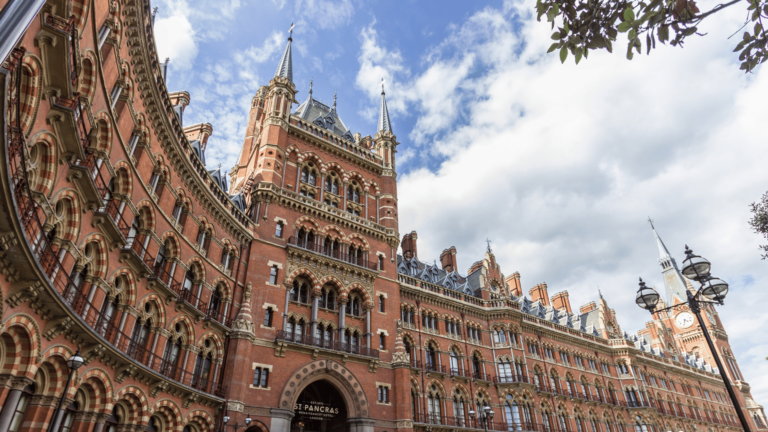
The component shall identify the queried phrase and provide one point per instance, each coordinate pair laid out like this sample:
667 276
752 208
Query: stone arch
135 402
170 412
203 420
123 179
196 264
88 72
69 221
357 236
303 272
218 347
226 290
22 335
31 86
99 260
339 376
98 374
41 163
300 223
146 215
129 291
327 231
174 249
367 301
154 298
101 141
80 12
187 333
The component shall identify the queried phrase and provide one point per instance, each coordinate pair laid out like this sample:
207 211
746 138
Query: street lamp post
236 426
486 416
711 291
73 364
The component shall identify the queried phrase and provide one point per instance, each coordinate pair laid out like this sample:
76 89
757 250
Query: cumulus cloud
176 38
560 165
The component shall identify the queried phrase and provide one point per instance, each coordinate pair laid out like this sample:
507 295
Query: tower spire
384 123
334 100
674 282
311 80
285 67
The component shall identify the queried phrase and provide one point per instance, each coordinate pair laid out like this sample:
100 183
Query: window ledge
260 388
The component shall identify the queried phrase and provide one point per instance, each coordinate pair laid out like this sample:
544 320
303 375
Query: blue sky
559 165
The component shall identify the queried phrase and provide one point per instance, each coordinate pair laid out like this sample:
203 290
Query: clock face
684 320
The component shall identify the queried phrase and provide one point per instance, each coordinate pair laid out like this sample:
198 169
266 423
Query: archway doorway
319 408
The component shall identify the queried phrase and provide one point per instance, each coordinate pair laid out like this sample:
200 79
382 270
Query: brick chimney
589 307
409 245
560 301
448 259
514 285
539 292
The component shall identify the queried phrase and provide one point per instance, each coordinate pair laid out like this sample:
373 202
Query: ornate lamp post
236 426
486 416
73 364
711 291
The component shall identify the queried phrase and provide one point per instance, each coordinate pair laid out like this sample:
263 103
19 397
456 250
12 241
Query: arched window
202 370
21 408
433 406
477 370
546 421
512 414
189 279
554 382
107 315
215 303
69 417
454 357
640 426
562 420
458 409
431 358
279 229
171 356
139 339
112 422
152 426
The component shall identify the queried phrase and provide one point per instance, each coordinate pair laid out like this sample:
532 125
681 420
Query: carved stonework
322 266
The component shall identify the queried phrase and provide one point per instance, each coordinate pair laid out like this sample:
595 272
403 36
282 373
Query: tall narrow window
382 342
103 34
381 303
261 377
381 263
279 230
21 408
268 317
273 275
134 141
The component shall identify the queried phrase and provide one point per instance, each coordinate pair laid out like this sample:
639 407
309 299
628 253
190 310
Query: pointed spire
285 67
674 282
334 100
663 252
384 123
311 81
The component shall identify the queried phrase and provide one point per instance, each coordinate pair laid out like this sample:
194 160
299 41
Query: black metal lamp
647 298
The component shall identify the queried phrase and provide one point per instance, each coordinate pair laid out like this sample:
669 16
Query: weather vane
489 244
290 32
651 222
382 86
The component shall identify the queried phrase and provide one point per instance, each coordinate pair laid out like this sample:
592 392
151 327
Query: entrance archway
326 373
319 408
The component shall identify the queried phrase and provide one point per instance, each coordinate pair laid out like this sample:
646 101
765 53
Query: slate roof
198 150
219 179
322 115
434 274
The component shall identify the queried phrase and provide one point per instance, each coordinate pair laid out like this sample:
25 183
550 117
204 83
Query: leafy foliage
759 221
585 25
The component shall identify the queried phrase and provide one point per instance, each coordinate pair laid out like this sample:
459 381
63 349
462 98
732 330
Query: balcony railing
461 372
326 344
70 292
336 254
482 376
509 379
431 367
218 316
138 248
113 210
187 296
474 423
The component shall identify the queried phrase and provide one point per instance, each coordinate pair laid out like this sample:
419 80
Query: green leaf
565 27
553 47
629 14
648 43
746 36
663 33
578 55
689 31
556 36
623 27
608 45
632 34
563 54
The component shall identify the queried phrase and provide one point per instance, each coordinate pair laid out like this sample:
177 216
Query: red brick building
277 294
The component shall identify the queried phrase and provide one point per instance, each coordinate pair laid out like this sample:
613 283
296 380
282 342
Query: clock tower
677 331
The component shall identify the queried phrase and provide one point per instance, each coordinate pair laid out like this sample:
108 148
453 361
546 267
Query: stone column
344 195
281 420
18 15
101 420
322 186
11 401
368 328
378 211
285 307
315 306
56 421
298 175
342 316
366 205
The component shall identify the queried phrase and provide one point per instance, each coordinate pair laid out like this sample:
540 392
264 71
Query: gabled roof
322 115
196 147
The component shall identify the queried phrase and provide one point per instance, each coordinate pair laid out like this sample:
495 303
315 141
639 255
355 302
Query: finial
651 222
599 292
290 33
311 82
489 245
382 86
334 99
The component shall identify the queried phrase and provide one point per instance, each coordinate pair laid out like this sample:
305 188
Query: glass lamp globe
226 419
647 298
75 361
472 413
694 266
715 289
248 420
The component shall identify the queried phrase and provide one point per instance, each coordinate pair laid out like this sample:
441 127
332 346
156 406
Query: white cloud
263 53
176 39
560 164
325 14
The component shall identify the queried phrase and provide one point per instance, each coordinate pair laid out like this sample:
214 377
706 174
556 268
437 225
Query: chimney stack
448 259
513 282
560 301
589 307
409 245
539 292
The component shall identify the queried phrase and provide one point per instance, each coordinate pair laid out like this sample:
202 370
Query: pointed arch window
454 358
458 410
512 414
433 406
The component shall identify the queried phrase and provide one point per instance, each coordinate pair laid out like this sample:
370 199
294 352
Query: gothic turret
285 67
384 123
